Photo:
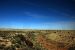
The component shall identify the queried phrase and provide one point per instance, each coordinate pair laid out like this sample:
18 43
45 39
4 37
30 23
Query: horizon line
32 29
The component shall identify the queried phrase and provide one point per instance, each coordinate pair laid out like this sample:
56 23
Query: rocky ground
37 40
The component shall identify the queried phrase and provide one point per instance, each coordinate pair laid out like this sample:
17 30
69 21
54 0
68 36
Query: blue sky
37 14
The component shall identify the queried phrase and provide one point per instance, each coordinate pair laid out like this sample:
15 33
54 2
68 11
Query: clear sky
37 14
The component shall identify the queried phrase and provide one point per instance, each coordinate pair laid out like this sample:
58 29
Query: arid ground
37 39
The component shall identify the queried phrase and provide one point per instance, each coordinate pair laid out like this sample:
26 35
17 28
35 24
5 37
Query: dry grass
41 39
48 39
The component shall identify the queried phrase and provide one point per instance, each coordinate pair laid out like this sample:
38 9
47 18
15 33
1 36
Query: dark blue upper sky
37 14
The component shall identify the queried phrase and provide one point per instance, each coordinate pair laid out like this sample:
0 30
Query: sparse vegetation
37 40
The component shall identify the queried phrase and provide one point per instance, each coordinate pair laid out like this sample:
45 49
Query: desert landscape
37 24
16 39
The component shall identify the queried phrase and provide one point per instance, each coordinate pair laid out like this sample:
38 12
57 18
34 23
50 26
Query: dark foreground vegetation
37 40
